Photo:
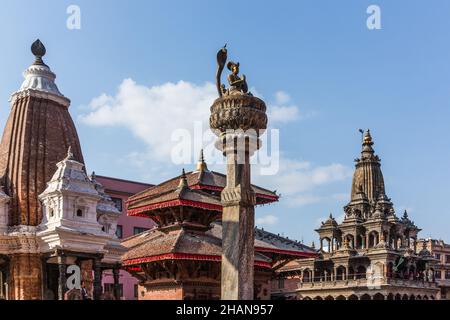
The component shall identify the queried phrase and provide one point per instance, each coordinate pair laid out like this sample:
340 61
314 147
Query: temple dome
40 78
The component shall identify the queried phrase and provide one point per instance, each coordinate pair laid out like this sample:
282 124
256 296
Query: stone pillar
237 120
62 267
116 273
238 220
97 279
25 277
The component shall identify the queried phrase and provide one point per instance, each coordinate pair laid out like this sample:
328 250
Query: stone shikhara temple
372 254
51 213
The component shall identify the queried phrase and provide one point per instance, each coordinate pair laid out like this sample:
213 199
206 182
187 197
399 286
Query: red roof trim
287 252
173 203
205 186
183 256
172 256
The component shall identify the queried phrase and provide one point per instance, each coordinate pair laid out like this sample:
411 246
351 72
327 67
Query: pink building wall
123 189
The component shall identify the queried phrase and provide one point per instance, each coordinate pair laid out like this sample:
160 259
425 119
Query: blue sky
315 59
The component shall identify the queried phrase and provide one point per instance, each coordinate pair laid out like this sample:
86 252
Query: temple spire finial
201 164
38 50
183 181
367 138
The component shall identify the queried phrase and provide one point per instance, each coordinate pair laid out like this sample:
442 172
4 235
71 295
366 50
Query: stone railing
366 283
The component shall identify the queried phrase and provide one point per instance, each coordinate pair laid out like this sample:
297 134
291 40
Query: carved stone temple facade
372 254
52 215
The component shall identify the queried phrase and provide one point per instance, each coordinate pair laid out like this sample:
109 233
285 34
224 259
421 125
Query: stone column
25 277
97 279
238 220
62 267
116 273
237 120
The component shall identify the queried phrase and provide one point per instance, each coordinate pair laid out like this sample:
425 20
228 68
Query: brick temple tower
37 240
37 135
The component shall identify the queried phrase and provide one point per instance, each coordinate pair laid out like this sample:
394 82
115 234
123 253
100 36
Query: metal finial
38 50
201 164
183 180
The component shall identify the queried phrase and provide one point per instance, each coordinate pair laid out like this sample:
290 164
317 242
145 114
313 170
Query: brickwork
26 277
37 135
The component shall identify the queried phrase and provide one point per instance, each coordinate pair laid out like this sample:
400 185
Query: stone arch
341 297
353 297
328 244
405 297
307 275
329 298
340 273
359 242
419 297
350 240
398 296
318 298
412 297
365 297
307 298
361 272
425 297
378 296
390 296
373 238
431 297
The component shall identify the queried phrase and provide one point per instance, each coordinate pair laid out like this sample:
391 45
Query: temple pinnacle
38 50
201 164
183 181
367 138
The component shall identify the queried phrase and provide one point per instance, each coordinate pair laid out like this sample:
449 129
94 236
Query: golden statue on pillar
238 119
238 84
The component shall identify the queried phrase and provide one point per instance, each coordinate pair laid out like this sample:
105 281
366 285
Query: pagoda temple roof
155 245
202 180
176 197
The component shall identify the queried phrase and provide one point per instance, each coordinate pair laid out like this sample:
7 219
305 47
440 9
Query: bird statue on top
238 84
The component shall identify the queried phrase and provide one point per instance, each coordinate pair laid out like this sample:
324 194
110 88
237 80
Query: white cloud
282 97
280 111
283 114
267 220
153 113
284 111
297 181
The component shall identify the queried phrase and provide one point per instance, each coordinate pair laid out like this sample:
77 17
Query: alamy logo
74 280
374 20
74 19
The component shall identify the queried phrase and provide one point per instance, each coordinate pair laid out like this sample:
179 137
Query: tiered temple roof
187 210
